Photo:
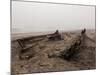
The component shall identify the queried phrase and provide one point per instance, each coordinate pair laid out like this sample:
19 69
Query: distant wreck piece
83 31
55 36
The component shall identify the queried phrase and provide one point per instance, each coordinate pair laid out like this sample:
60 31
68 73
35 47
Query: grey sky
40 17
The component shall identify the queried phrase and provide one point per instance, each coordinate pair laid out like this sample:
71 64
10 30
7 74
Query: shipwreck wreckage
67 53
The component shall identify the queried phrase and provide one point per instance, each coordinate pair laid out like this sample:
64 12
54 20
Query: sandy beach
45 54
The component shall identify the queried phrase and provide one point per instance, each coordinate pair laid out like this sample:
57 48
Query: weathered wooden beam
20 43
55 36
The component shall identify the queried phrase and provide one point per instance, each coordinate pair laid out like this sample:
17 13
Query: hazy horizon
44 17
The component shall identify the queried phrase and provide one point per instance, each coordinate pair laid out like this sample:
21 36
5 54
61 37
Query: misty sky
41 17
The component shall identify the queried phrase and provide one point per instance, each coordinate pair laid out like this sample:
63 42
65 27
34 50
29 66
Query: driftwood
72 52
74 49
24 49
83 31
26 45
55 36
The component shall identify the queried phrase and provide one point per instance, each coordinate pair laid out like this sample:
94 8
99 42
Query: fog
44 17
